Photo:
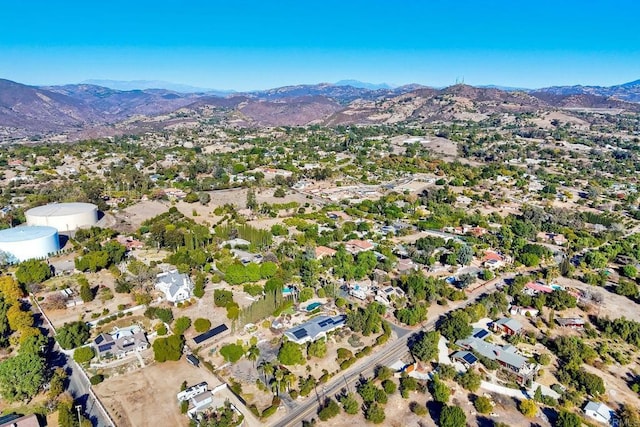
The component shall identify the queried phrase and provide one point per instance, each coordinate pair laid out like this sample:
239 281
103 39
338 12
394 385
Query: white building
177 287
599 412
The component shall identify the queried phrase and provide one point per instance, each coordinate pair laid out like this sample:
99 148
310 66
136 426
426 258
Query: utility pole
78 409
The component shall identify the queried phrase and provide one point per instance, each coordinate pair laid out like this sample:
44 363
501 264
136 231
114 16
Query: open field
147 397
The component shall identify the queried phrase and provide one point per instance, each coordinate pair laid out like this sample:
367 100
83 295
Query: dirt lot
102 278
147 397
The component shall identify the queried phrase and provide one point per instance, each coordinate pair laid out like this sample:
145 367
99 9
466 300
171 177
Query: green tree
181 325
86 293
389 386
221 297
470 380
456 326
375 414
440 391
22 376
231 352
452 416
483 405
83 354
350 404
568 419
426 347
528 408
290 353
253 353
202 325
72 335
33 272
168 348
317 348
329 410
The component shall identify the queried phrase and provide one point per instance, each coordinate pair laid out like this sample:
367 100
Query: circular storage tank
28 242
64 216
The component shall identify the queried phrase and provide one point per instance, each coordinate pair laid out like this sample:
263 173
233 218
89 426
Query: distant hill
127 85
84 110
629 92
363 85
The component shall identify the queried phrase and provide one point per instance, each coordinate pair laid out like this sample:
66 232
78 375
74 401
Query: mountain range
87 110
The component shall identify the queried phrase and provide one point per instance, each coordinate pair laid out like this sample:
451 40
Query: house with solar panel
120 343
507 356
314 329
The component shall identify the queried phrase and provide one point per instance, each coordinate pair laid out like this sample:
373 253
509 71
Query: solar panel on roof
210 333
470 358
481 334
325 323
105 347
300 333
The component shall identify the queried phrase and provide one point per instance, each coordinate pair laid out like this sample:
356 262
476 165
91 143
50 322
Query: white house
177 287
599 412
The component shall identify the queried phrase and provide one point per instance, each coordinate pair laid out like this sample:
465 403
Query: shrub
96 379
483 405
232 352
202 325
330 410
181 324
83 354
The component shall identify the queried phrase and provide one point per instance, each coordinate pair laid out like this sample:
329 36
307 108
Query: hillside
80 111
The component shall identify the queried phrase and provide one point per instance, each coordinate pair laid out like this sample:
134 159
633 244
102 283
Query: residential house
356 246
406 266
493 260
314 329
387 294
555 238
570 322
120 343
507 325
15 420
359 291
533 288
506 356
177 287
524 311
323 251
599 412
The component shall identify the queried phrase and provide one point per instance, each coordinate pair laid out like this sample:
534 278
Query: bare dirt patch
147 397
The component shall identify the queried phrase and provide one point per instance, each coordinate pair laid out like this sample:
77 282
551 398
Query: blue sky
246 44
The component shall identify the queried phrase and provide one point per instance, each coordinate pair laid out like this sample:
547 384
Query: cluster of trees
237 274
111 253
72 335
173 230
32 272
22 375
168 348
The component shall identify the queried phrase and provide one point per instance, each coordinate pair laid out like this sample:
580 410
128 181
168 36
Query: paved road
78 385
389 354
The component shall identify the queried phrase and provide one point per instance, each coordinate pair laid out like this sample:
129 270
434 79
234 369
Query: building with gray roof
316 328
177 287
506 356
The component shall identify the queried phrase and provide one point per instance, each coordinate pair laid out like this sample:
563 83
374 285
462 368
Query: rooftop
313 328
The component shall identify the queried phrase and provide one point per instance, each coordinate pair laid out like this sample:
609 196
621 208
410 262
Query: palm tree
289 380
267 369
278 375
253 353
